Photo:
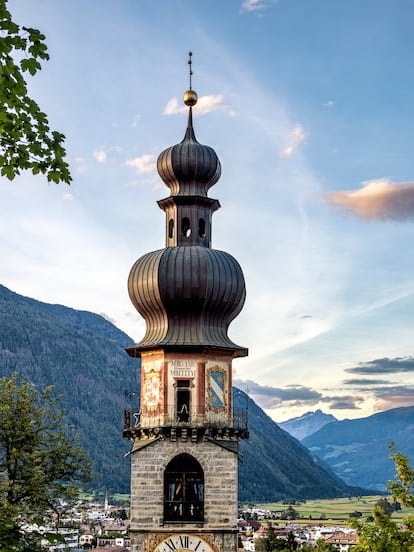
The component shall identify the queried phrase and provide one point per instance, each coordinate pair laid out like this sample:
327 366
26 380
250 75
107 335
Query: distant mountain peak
357 450
302 426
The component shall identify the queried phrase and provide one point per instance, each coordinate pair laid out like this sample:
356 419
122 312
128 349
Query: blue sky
308 104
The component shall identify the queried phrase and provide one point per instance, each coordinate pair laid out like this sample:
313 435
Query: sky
309 106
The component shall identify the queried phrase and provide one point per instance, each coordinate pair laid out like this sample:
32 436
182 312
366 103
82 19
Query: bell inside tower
184 490
183 395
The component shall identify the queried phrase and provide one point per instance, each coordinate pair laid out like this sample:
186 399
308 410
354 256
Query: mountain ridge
358 450
82 355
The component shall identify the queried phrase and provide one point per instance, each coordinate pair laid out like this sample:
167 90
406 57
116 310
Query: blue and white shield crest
217 389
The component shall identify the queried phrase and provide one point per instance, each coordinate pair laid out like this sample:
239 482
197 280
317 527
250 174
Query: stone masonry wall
220 492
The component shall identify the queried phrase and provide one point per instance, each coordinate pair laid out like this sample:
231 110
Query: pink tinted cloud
377 200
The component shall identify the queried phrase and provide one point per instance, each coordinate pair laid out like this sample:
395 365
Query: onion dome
189 168
188 297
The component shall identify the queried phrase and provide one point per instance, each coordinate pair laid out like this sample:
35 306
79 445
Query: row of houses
341 538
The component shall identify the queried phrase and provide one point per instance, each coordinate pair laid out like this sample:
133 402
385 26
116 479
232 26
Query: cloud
254 5
136 120
68 196
80 165
205 104
268 397
394 391
295 137
143 165
329 103
394 396
378 199
363 382
384 366
100 156
396 401
107 317
344 403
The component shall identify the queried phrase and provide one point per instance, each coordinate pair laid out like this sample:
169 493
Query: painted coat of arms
217 388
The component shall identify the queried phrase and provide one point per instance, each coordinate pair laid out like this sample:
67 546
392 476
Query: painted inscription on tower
182 368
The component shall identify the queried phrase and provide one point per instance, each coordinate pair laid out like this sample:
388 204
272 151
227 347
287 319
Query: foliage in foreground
41 462
384 534
26 141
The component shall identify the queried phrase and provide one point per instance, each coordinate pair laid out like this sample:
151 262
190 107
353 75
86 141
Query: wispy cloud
394 397
80 165
205 104
269 397
68 196
348 402
255 5
295 137
100 156
136 120
384 366
364 382
378 199
143 165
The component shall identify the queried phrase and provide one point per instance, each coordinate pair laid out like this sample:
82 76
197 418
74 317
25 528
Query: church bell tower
185 437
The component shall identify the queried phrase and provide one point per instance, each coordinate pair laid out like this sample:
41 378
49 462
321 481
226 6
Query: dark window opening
171 228
184 490
183 400
185 227
202 228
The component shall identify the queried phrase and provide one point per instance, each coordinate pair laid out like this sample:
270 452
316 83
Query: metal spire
190 96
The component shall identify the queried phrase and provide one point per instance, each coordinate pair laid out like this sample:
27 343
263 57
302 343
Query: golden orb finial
190 96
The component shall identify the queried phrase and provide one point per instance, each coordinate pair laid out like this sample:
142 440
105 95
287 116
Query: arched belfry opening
184 490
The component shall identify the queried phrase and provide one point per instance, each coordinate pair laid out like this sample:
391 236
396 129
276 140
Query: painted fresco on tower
152 385
217 388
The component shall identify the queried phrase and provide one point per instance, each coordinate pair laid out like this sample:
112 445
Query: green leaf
8 171
30 64
26 140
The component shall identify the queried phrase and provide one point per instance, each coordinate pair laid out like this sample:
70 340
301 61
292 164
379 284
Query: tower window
183 401
202 228
171 228
185 227
184 490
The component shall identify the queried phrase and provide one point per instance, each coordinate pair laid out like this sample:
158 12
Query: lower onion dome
188 296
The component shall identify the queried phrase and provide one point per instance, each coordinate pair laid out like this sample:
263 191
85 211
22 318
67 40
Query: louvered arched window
184 490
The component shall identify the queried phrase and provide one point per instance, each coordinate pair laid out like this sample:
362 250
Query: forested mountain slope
80 353
83 356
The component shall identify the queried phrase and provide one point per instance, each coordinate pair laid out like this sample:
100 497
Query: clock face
183 543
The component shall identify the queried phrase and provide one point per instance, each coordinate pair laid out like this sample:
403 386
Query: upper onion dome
189 168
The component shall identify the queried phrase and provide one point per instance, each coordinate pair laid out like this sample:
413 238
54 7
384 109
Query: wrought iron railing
170 416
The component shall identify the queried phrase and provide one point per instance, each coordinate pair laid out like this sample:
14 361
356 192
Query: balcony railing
170 416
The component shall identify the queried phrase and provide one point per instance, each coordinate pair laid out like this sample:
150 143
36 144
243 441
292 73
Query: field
333 511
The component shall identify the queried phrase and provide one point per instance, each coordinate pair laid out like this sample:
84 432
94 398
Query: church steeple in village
185 438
